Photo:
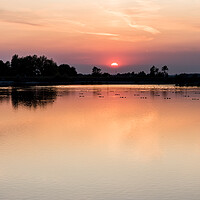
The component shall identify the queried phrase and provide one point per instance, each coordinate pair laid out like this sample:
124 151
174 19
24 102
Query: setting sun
115 64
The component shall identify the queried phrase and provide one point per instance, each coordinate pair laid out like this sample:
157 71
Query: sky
134 33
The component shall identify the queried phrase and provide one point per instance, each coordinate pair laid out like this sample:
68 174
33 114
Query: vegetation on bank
41 69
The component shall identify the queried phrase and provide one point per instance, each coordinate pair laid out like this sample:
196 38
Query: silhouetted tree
28 66
96 71
160 74
132 73
73 71
141 74
47 67
106 75
7 63
4 68
153 71
31 66
165 69
15 64
65 69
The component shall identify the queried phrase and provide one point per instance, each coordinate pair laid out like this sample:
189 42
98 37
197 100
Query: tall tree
165 70
96 71
153 71
4 68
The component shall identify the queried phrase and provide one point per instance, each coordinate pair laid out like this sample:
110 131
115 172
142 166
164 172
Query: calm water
100 143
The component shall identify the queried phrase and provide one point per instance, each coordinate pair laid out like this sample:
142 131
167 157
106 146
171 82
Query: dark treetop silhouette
41 70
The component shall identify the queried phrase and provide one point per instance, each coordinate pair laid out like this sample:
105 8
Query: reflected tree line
30 97
40 97
41 69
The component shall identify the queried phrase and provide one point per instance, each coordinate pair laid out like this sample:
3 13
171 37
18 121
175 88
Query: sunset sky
134 33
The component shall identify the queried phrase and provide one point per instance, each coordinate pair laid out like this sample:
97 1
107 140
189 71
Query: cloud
26 18
100 34
34 19
20 22
127 19
142 27
132 39
77 23
147 6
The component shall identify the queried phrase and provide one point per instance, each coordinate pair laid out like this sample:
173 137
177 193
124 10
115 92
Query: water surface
99 142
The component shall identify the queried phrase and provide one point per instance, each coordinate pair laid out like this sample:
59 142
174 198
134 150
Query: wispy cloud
20 22
147 6
118 37
35 19
77 23
99 34
25 18
142 27
132 39
130 23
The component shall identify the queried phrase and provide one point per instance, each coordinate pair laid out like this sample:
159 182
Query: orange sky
135 33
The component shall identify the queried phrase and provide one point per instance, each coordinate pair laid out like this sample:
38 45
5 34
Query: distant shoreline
51 83
39 70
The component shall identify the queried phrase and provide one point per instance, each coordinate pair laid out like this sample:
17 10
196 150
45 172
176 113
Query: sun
114 64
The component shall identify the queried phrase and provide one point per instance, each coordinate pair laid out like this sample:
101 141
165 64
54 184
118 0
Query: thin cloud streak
99 34
132 39
21 22
29 18
25 18
75 22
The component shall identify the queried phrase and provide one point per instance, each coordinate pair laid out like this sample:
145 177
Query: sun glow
114 64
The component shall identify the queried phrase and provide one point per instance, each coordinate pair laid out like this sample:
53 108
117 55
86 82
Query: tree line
41 69
34 66
41 66
154 72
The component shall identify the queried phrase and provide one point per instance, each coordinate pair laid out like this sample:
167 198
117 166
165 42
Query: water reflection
4 95
100 148
29 97
40 97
